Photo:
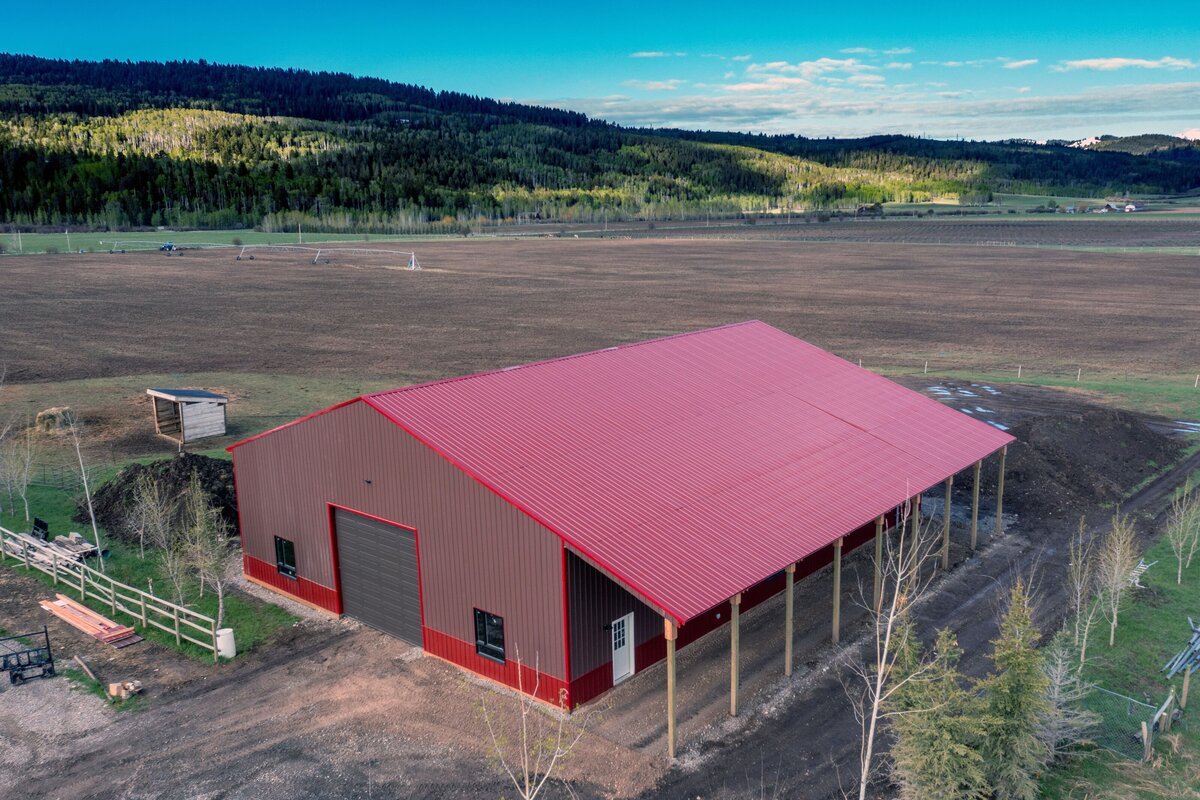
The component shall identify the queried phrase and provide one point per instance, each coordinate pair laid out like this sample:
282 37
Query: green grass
1169 395
31 243
258 401
80 682
1153 627
252 620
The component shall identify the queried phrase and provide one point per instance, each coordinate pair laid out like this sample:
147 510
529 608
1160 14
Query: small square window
285 557
489 635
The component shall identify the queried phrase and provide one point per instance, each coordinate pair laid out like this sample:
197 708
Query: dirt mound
1064 465
113 500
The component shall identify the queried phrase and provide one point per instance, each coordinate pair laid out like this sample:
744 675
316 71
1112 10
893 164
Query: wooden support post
669 633
837 589
216 655
175 612
975 507
946 526
25 554
878 562
82 585
112 597
789 605
735 603
1187 681
1000 494
142 599
1146 745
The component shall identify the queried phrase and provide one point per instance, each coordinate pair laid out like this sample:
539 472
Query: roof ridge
557 359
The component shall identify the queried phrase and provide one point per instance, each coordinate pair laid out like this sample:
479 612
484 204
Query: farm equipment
21 655
168 247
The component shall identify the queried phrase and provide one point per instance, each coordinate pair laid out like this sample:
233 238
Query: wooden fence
146 609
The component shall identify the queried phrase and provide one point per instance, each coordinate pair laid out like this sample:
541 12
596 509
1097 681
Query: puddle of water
983 410
997 425
966 411
990 390
967 393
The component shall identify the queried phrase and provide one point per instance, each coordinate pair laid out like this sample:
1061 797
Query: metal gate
377 566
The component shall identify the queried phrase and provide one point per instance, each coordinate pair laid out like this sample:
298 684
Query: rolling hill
194 144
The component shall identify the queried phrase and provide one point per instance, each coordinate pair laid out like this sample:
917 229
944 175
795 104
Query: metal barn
595 512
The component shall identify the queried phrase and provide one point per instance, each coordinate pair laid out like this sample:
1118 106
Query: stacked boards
94 625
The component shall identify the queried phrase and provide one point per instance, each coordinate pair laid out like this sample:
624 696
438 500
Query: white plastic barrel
226 646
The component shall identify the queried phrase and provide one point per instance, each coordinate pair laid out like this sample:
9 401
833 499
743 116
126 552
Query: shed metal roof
692 467
187 395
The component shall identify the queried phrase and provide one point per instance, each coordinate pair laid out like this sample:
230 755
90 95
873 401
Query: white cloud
857 50
771 83
655 54
1191 133
668 85
898 51
812 69
1110 64
1024 89
898 65
866 79
742 58
1027 62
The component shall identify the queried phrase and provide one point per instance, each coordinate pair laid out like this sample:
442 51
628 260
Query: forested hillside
204 145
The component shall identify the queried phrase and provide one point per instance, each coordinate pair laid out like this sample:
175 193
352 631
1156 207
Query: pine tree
1015 702
936 726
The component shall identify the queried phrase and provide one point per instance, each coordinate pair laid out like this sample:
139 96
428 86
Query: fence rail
144 608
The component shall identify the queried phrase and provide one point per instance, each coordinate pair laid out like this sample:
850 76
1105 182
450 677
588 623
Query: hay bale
52 420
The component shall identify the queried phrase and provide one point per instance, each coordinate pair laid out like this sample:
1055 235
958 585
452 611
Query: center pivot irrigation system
325 253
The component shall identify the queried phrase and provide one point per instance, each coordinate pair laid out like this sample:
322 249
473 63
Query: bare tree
153 513
75 431
1115 562
16 463
1081 587
905 579
205 541
1183 529
540 743
1064 724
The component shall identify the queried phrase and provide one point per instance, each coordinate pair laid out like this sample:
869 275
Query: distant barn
185 415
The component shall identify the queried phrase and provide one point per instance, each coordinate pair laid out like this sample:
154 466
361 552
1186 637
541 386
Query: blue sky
1044 70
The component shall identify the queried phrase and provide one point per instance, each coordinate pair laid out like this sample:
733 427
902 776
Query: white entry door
622 647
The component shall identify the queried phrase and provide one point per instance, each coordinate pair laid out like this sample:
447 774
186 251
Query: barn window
489 635
285 557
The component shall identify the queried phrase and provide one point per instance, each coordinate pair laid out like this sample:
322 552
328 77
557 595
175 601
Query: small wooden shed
185 415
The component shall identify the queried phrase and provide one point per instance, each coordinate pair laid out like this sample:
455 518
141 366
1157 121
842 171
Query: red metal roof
694 466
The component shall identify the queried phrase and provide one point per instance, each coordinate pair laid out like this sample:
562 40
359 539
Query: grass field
103 242
1153 627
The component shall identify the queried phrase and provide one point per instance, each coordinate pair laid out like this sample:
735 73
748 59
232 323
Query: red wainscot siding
300 588
526 678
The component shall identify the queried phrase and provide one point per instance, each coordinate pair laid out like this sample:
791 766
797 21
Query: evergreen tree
936 725
1015 703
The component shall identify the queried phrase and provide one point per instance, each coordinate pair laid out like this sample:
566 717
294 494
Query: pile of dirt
1064 465
113 501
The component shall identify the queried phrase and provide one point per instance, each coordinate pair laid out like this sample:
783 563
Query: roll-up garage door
377 563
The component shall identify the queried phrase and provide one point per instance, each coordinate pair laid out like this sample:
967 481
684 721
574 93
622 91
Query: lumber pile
83 618
1188 656
124 690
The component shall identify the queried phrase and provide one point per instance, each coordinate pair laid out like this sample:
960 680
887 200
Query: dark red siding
475 550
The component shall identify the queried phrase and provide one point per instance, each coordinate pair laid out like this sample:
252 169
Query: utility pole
68 233
300 233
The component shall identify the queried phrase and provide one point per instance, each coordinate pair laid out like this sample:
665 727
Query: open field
283 337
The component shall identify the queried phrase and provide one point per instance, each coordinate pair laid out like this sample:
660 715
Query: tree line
112 144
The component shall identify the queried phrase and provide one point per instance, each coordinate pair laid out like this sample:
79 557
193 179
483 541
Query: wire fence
1121 722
